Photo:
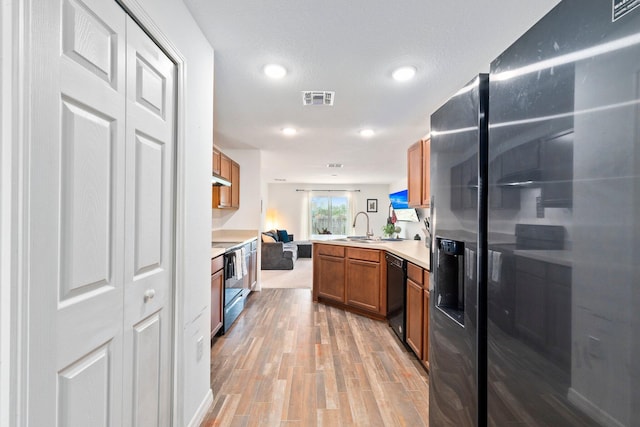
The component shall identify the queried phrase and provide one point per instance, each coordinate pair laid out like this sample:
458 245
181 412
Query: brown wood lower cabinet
329 273
356 279
364 279
353 277
417 312
217 289
425 320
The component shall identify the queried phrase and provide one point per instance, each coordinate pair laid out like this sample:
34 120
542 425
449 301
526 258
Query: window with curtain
329 214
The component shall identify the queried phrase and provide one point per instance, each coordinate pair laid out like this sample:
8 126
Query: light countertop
216 252
413 251
239 236
233 235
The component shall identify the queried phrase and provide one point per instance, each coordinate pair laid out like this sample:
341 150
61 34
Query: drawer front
414 273
217 263
331 250
364 254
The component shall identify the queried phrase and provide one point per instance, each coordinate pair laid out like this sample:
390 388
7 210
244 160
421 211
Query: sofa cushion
290 246
271 233
283 236
267 238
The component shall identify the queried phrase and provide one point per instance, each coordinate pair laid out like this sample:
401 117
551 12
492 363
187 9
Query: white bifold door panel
100 219
148 250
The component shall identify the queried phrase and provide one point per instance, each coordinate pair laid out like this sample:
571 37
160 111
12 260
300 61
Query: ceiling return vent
317 97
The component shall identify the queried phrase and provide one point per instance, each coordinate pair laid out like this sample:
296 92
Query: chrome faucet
369 232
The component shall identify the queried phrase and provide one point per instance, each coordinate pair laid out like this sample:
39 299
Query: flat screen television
400 204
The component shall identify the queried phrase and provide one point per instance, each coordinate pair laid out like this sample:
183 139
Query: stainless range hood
219 181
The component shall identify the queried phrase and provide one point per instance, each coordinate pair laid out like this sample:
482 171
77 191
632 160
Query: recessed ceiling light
403 74
280 179
367 133
289 131
275 71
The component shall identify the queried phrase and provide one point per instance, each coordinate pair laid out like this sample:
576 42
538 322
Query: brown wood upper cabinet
426 172
418 157
215 163
226 197
235 185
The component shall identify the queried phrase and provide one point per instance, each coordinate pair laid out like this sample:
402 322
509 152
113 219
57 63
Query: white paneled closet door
148 231
100 219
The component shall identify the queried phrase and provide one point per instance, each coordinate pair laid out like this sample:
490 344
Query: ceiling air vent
334 165
317 97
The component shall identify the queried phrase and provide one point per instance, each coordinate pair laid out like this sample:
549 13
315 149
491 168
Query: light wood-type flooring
290 362
300 277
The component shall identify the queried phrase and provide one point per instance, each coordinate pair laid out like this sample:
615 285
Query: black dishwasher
396 294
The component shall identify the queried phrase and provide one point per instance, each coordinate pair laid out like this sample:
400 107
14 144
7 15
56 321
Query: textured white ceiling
350 47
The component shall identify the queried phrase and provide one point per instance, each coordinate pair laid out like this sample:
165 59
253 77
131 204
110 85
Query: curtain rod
352 191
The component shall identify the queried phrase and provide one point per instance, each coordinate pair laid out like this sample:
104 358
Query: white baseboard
591 409
198 417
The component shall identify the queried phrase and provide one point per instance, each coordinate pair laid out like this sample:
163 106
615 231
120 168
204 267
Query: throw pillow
283 236
267 239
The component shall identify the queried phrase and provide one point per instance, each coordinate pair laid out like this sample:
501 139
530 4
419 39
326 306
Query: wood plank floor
290 362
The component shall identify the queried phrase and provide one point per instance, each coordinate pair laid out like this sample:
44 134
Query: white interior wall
5 213
175 21
286 208
247 217
409 229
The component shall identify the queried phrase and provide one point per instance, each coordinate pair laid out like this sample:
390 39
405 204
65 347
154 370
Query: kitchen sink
365 239
359 239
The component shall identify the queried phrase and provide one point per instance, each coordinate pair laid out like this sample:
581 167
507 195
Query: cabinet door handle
149 294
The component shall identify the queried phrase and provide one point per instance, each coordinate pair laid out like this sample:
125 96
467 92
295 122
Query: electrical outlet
199 348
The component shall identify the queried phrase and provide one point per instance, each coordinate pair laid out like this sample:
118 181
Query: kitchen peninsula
352 274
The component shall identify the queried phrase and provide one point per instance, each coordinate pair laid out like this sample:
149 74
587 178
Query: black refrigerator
458 140
537 229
